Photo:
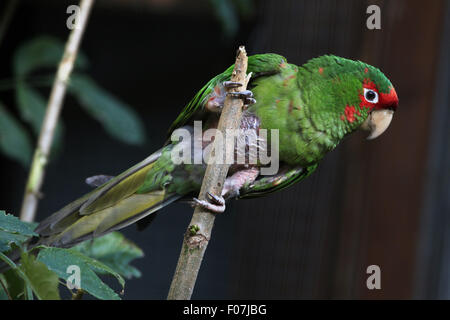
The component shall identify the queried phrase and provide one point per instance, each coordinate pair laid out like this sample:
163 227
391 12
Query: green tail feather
112 206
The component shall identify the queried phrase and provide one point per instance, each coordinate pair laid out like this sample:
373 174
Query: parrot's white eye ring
370 95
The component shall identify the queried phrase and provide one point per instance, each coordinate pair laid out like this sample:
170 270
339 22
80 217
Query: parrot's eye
370 95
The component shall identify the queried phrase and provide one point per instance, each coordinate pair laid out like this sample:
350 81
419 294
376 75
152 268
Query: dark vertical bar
385 178
433 260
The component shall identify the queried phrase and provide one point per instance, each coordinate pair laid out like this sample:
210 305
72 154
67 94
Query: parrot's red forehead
389 100
386 100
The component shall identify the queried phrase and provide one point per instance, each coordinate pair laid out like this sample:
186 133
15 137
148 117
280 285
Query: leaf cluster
117 118
40 272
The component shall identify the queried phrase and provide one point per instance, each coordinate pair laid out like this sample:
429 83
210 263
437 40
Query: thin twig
199 231
37 172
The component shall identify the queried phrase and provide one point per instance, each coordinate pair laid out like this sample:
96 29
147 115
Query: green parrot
313 107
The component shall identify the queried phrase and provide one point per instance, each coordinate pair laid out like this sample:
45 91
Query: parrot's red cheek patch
350 113
321 70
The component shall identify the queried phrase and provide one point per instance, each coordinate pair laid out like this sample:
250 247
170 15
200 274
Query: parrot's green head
358 94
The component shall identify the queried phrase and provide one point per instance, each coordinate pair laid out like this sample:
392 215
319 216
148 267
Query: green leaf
31 105
15 284
115 251
14 140
12 230
11 223
41 52
27 293
58 260
3 288
117 118
43 282
8 238
32 108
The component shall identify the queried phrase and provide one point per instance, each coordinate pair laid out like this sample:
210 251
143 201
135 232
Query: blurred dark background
383 202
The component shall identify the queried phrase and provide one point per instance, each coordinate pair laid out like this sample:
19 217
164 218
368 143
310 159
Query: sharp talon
216 199
249 101
231 84
246 94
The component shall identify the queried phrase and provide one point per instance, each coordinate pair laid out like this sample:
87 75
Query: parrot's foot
231 84
214 203
246 96
216 100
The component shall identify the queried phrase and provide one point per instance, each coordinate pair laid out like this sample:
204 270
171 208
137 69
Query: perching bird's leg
231 84
246 96
231 189
214 203
217 98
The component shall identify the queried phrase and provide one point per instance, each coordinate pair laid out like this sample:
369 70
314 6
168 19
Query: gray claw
216 199
249 101
231 84
246 94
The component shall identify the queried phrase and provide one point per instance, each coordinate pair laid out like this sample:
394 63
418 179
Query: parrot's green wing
268 184
259 65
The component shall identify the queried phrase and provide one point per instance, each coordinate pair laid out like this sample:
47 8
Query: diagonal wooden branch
199 231
37 171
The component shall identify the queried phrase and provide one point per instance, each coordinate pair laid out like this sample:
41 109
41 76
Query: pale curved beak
377 122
